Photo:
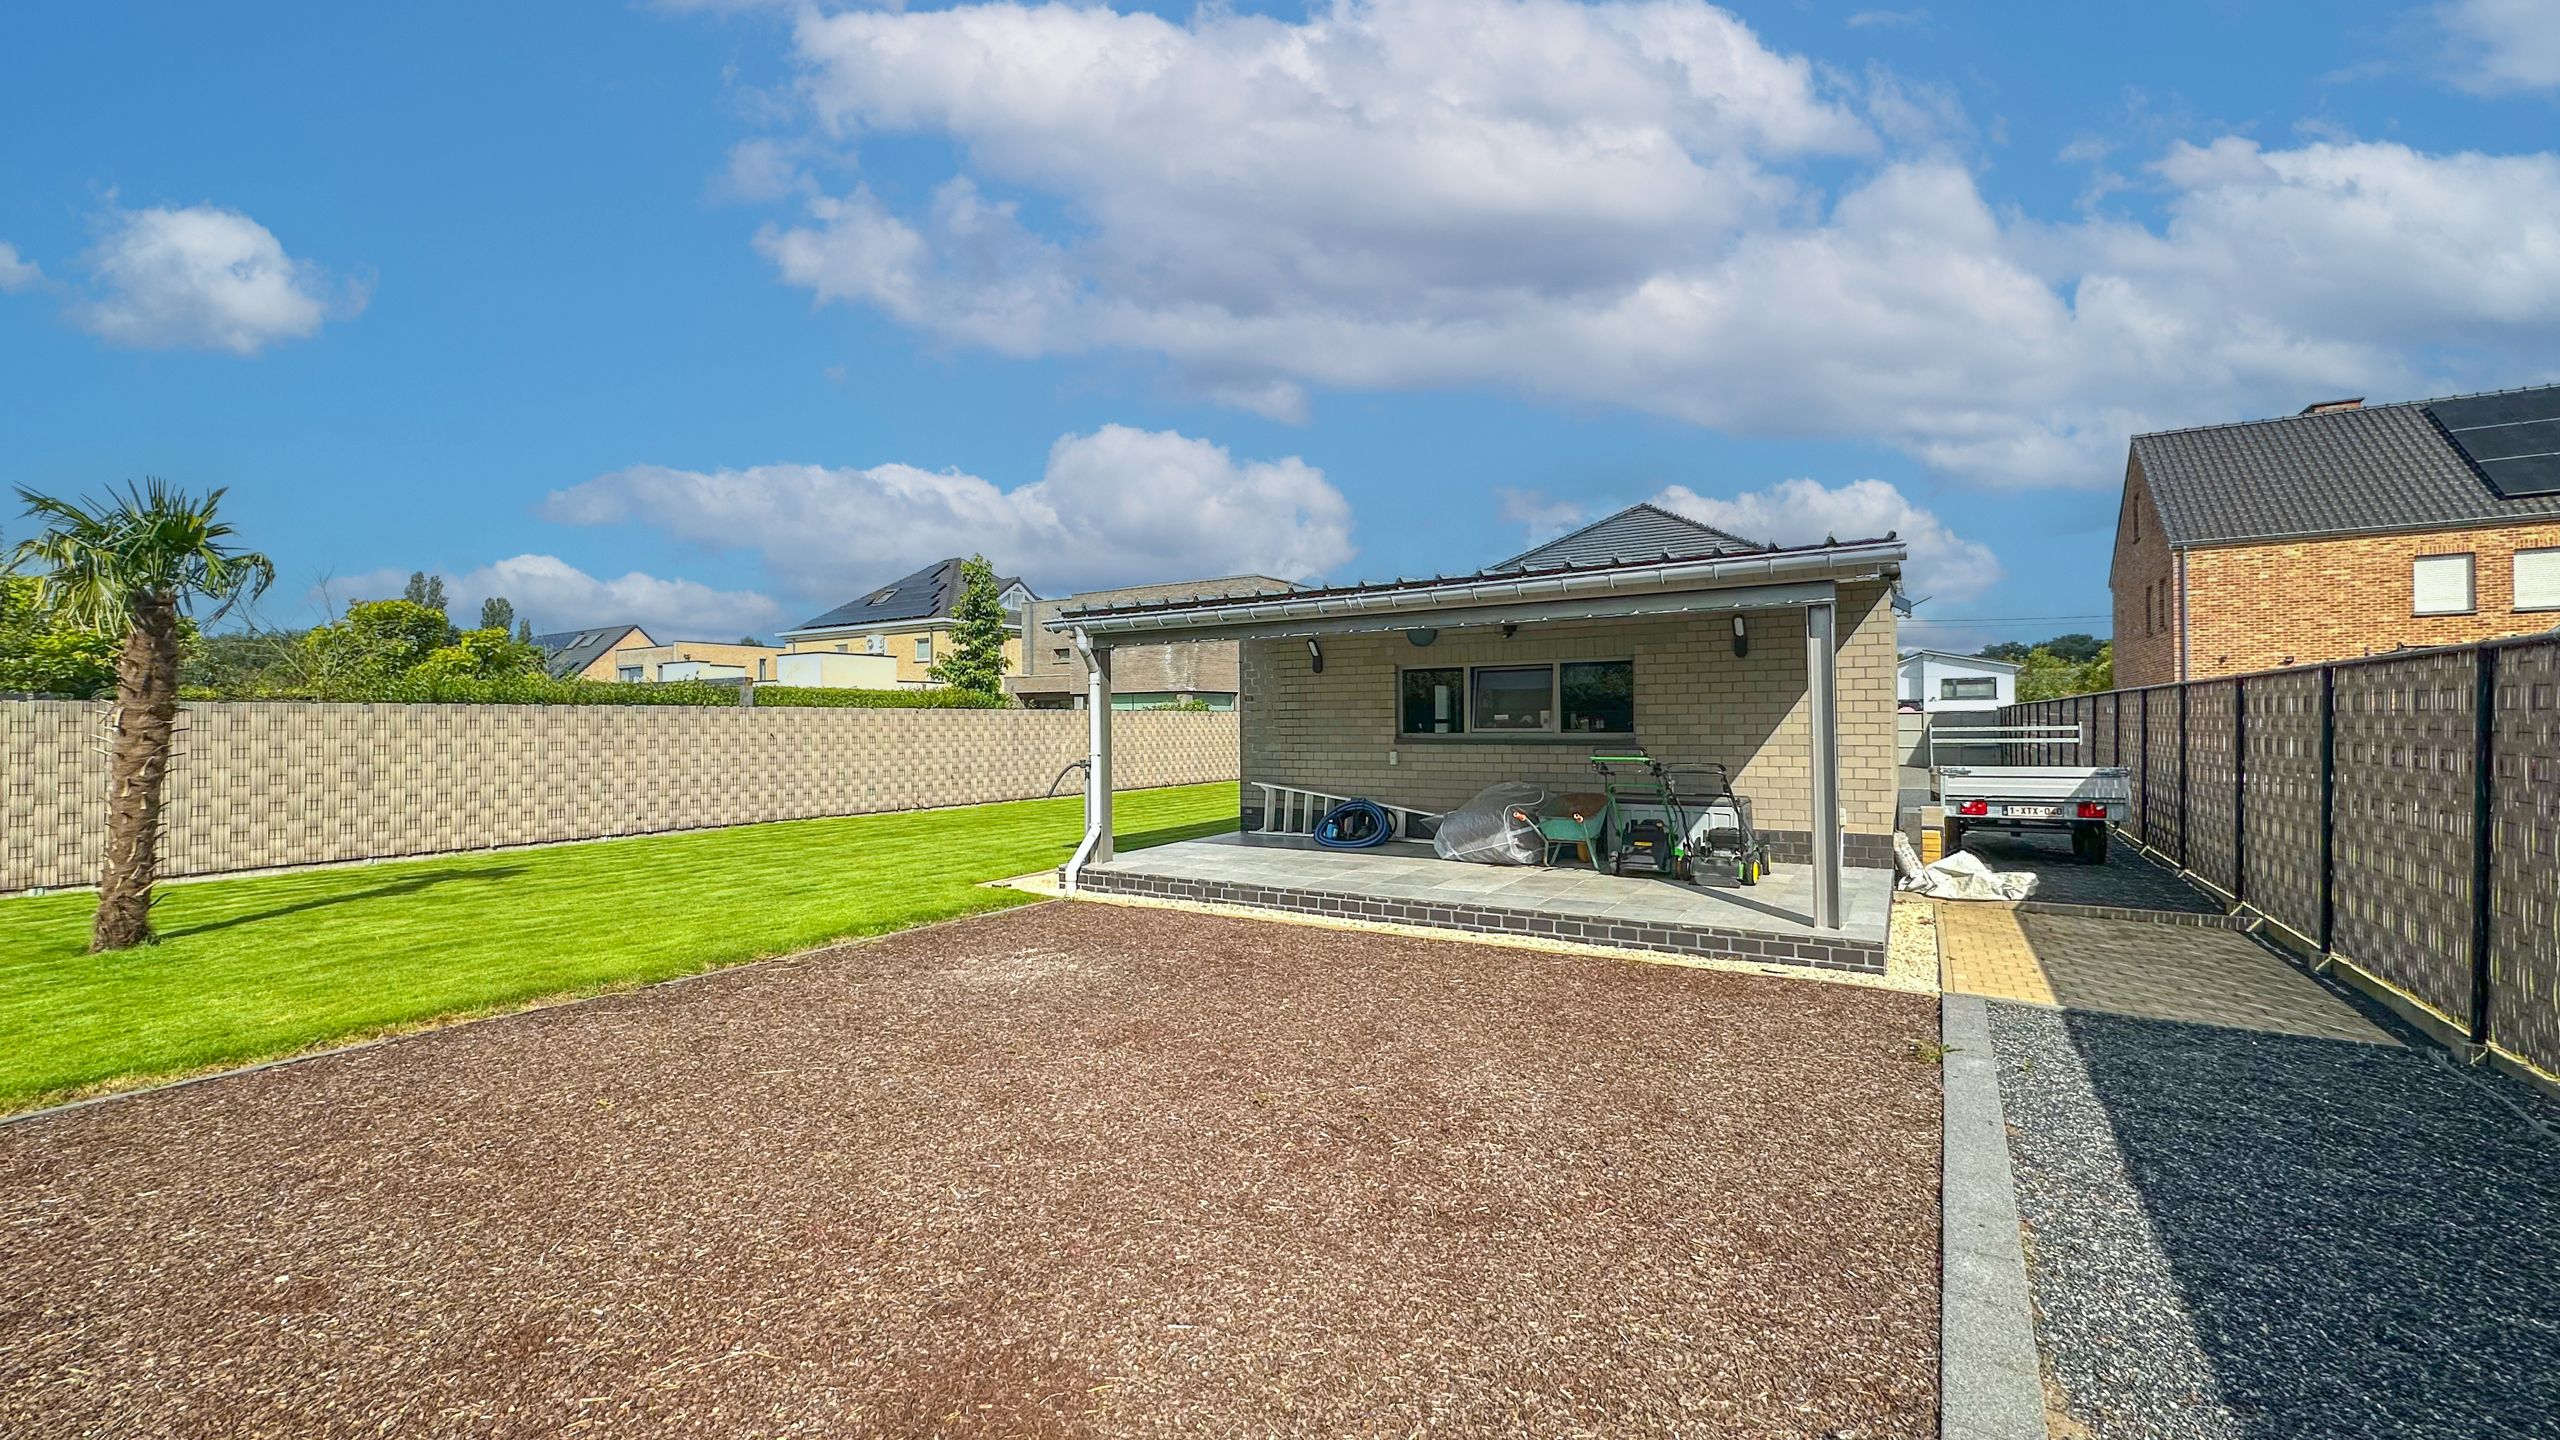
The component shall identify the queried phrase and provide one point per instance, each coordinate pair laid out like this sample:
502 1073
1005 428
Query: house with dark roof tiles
909 619
2345 530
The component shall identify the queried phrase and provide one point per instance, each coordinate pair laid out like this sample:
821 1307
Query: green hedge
543 690
779 695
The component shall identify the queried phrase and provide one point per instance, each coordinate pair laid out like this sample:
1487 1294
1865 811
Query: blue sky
711 316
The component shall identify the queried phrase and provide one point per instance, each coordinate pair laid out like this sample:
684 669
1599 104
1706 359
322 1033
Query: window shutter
2538 579
2441 584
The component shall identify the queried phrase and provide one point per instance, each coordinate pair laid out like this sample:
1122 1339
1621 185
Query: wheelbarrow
1575 822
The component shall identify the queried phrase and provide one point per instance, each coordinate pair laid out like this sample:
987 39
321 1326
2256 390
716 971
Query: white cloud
204 278
556 595
1618 204
15 273
1113 507
2497 47
1943 564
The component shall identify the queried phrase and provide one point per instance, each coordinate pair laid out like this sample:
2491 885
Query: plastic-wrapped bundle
1498 827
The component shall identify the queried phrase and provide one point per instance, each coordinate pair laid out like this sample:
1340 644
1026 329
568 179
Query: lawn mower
1652 834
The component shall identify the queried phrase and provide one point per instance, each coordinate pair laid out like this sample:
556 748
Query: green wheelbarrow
1575 822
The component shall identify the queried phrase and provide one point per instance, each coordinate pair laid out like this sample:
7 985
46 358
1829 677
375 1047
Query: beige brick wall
1695 701
2144 579
2258 607
263 785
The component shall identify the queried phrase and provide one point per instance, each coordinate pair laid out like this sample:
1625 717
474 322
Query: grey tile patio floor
1780 905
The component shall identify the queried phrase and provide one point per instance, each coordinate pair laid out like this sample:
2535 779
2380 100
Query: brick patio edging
1990 1374
1861 956
2196 919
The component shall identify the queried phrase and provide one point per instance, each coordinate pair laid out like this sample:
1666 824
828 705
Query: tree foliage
978 633
498 613
425 589
43 654
2045 674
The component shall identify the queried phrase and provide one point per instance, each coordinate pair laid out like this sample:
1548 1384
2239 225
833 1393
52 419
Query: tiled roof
571 651
1639 532
931 592
2335 472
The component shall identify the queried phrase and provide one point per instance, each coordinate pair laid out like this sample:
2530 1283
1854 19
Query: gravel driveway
1074 1169
2242 1235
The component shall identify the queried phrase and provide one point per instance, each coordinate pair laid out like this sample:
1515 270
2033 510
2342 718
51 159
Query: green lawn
252 968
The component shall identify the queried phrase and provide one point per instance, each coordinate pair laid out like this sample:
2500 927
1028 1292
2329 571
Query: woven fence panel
256 786
2209 759
2102 729
2132 713
2402 823
2164 764
2282 800
2524 891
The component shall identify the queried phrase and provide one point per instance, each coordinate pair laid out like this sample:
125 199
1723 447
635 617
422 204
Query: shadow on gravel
2366 1241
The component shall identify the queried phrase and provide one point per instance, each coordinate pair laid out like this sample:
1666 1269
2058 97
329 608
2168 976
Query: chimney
2324 407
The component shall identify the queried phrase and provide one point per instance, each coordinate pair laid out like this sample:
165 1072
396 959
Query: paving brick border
1990 1374
1864 957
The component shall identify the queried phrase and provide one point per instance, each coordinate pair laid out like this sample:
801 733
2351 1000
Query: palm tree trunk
146 726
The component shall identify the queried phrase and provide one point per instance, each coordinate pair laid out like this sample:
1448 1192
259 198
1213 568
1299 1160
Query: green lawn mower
1657 833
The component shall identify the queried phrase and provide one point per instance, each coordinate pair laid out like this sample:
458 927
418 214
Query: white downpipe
1096 844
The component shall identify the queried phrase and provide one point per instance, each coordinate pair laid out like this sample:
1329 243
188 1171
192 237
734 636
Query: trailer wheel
2089 844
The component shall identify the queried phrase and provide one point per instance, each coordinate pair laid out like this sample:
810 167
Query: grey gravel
2238 1234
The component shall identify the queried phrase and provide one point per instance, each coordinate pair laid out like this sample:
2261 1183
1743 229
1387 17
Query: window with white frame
2441 585
924 649
2538 579
1571 697
1968 687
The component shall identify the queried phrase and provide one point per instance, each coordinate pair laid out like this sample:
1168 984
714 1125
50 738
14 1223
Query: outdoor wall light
1741 637
1420 638
1315 656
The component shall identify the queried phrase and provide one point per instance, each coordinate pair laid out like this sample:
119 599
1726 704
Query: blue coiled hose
1340 829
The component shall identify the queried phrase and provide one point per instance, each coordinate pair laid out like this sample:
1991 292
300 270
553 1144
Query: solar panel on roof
2514 437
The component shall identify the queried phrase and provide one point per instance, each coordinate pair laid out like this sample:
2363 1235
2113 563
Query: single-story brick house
1644 628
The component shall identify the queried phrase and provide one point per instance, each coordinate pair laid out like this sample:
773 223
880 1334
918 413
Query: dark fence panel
2164 768
2524 888
2401 826
2133 729
2102 730
2281 802
2209 759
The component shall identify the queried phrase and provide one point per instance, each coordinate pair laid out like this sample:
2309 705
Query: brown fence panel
2164 766
2281 807
2405 751
2102 729
2524 889
2209 759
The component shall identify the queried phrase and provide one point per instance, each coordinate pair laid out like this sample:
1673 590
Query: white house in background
1940 683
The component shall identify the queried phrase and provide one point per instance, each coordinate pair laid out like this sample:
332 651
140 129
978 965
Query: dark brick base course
1862 956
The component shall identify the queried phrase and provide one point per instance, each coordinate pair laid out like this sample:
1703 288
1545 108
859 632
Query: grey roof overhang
1774 579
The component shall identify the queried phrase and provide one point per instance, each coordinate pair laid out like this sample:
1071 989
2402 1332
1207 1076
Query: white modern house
1941 683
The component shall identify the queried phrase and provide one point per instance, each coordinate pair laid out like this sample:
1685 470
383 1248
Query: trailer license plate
2031 812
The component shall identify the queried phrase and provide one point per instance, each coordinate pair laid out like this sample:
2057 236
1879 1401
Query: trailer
2082 799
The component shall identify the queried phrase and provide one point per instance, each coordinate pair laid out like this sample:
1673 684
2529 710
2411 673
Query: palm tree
129 564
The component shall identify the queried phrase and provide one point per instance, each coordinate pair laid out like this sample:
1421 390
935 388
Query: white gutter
1708 573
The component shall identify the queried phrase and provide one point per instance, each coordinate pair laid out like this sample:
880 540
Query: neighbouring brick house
2346 530
910 620
1148 676
1644 628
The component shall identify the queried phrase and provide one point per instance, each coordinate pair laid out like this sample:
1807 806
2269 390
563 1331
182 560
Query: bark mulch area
1076 1169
